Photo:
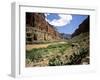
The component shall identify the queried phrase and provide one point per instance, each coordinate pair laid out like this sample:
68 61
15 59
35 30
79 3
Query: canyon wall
37 29
83 27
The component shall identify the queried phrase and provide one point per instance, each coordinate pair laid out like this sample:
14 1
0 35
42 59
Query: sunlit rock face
38 29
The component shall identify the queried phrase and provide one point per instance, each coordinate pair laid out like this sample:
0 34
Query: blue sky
65 23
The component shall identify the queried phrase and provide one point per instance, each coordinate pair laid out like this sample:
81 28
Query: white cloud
62 21
46 14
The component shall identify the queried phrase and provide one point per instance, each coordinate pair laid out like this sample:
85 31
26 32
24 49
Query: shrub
34 55
37 54
28 61
55 62
76 58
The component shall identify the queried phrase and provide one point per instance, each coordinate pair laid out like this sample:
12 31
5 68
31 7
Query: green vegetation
72 52
55 61
44 42
71 60
38 54
77 58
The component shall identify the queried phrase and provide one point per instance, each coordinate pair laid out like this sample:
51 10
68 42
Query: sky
65 23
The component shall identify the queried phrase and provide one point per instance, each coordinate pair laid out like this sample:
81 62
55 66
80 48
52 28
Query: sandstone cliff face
37 29
83 27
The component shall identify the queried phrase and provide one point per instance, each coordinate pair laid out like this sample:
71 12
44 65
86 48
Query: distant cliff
83 27
65 36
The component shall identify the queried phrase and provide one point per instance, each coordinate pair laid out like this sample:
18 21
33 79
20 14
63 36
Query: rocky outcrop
37 29
83 27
